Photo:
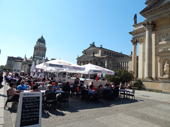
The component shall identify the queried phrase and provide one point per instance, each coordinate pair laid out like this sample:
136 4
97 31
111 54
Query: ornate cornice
149 1
164 51
138 31
153 9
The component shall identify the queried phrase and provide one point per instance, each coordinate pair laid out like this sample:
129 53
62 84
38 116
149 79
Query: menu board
29 110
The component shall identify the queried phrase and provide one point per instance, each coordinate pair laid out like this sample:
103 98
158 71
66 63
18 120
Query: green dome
41 39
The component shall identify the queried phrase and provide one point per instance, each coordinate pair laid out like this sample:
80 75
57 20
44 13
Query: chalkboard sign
29 110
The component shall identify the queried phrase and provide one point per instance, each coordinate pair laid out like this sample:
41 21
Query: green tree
2 67
120 76
8 69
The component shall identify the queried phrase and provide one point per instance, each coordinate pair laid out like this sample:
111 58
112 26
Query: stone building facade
105 58
39 49
153 38
18 64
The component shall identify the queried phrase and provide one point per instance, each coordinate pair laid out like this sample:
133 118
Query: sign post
29 110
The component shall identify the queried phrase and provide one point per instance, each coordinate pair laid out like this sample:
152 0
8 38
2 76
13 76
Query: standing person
41 75
76 82
1 80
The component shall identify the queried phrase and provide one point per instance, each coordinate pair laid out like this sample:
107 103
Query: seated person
56 86
42 87
116 91
35 80
51 81
91 86
66 87
107 87
13 95
49 89
22 87
129 86
121 86
29 80
35 89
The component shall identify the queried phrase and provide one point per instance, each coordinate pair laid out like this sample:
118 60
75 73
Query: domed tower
39 49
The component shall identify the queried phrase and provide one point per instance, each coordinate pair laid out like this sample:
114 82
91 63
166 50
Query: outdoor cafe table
124 91
91 91
43 91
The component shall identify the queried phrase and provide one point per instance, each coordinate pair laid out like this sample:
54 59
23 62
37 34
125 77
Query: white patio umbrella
94 69
62 66
70 67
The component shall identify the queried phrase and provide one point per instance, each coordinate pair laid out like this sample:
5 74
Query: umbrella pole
89 76
57 76
66 76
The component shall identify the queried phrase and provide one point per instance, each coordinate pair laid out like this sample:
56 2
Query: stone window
104 52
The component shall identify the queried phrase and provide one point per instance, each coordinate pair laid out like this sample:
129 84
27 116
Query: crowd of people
18 83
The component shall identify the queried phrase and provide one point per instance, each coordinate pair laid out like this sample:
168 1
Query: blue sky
68 26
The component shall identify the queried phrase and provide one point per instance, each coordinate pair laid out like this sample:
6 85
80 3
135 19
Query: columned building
105 58
39 49
153 38
19 64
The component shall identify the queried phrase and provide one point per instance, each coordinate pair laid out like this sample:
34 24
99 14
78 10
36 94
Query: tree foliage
120 76
7 68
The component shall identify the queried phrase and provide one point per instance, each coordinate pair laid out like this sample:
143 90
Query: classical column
140 59
153 56
134 58
148 50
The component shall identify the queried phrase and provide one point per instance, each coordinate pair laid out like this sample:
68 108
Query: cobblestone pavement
144 111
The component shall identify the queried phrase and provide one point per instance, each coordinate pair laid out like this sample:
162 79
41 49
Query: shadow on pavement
2 95
75 104
46 113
